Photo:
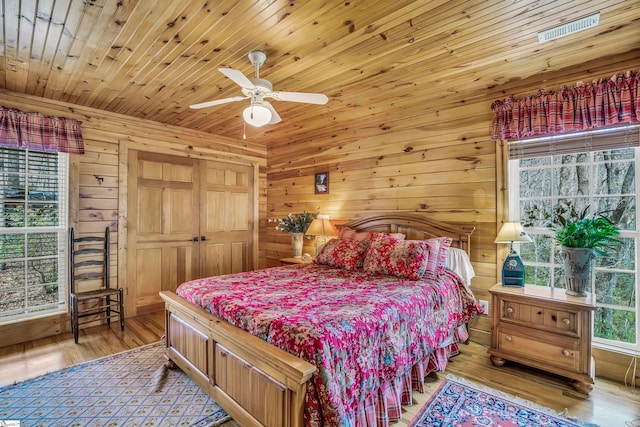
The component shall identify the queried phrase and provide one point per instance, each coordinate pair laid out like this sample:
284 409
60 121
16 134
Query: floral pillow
393 257
398 236
438 249
345 254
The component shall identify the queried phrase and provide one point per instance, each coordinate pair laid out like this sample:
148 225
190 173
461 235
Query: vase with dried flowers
296 224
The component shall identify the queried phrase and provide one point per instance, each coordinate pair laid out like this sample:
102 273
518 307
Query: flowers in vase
297 223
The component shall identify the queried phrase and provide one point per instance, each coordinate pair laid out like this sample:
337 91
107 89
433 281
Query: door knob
196 238
203 238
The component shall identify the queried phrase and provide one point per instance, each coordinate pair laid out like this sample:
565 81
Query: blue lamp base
513 270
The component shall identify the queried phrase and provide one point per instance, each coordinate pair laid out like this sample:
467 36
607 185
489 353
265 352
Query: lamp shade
321 227
257 114
512 232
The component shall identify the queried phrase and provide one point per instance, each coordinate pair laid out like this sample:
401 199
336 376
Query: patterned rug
126 389
458 402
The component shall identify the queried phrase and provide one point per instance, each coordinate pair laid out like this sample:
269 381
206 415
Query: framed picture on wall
322 183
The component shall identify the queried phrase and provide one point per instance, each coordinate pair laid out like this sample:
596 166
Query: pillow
398 236
345 254
438 249
458 261
391 256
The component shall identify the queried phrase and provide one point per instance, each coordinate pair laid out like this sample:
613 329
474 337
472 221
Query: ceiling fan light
257 115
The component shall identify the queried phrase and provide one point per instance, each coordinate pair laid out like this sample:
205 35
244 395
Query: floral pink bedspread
359 329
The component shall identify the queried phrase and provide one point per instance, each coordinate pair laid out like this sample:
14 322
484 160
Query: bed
342 366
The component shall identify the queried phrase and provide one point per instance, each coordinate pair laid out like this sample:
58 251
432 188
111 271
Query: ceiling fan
260 112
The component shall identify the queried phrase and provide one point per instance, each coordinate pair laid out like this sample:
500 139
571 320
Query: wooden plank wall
97 174
438 160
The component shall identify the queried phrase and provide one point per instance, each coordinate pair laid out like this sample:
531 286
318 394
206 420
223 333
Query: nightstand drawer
559 351
541 317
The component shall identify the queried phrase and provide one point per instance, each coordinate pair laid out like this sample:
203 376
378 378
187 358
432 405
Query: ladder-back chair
106 300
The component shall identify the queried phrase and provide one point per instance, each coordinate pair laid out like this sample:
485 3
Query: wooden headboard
414 227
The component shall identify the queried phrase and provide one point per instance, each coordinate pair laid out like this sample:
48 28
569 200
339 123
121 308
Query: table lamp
513 267
321 228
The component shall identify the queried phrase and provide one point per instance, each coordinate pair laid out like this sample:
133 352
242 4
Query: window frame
64 183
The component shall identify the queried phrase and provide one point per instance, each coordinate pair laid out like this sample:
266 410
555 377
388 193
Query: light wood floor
610 404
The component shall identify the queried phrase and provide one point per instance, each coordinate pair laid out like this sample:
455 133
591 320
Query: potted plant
296 225
581 237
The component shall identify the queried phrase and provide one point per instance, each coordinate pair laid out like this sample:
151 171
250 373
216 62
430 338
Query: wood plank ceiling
376 60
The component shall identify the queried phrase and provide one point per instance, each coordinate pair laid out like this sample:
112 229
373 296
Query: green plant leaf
579 229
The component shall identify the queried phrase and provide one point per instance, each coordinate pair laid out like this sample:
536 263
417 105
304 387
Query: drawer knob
509 310
566 321
508 338
566 352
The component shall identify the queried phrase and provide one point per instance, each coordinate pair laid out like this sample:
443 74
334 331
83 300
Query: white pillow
459 262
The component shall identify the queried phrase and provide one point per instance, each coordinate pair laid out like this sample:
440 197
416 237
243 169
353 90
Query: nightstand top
544 293
295 261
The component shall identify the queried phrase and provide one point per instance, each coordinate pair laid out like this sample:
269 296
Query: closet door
226 218
163 221
187 219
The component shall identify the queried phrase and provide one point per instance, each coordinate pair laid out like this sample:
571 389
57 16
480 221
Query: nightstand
544 328
288 261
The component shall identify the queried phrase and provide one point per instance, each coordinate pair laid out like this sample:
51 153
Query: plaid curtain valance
39 132
602 103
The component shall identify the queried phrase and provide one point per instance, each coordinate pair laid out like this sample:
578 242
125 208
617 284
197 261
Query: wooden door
226 218
163 219
187 219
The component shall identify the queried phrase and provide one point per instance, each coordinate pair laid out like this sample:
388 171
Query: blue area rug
126 389
459 402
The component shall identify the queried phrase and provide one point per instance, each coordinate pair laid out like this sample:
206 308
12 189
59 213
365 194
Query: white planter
296 244
578 268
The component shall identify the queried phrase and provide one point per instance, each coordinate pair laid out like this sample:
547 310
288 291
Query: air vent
570 28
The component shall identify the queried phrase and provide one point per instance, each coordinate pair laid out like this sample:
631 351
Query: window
599 174
33 225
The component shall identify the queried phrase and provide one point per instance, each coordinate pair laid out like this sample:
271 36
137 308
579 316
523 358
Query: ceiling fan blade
239 78
307 98
275 117
216 102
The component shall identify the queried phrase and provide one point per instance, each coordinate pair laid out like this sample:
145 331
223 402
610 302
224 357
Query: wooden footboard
257 383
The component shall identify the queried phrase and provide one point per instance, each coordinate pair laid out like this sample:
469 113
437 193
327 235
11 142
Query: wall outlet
485 306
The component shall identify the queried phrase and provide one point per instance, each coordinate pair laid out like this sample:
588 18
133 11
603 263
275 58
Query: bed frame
256 383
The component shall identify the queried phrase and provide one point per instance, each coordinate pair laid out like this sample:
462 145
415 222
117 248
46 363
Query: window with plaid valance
602 103
39 132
